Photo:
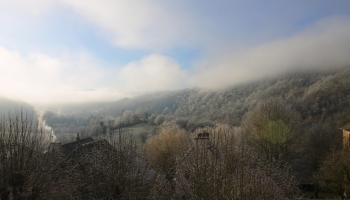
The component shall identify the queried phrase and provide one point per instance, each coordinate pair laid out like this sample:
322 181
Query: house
66 149
202 139
346 135
79 167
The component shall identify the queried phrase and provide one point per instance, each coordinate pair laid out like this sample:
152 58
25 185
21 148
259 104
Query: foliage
272 129
163 148
334 173
276 132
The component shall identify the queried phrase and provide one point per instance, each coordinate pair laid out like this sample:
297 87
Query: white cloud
326 44
140 24
147 24
39 79
32 7
152 73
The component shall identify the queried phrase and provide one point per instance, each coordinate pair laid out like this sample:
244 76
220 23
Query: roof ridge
77 141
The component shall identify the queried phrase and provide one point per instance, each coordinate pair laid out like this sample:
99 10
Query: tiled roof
96 143
70 147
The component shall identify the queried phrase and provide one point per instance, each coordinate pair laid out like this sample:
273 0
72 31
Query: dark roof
203 135
346 127
91 152
70 147
93 145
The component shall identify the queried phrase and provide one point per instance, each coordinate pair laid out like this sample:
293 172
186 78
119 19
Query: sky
72 51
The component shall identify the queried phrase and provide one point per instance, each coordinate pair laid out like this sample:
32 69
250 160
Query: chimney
202 139
78 138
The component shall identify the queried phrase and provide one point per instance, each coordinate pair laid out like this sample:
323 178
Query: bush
163 148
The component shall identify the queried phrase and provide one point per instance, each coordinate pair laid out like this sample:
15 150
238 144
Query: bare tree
22 146
221 166
334 173
318 142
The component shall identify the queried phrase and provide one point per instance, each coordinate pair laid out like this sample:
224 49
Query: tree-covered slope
319 96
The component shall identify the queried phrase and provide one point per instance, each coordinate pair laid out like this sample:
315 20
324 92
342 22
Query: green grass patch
141 128
141 131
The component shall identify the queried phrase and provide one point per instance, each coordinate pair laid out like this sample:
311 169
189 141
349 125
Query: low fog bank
8 106
326 45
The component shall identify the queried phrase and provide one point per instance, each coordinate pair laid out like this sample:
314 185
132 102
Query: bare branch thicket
129 171
318 142
224 167
23 165
161 151
334 173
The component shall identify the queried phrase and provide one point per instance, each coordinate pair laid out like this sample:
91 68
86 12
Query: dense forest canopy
319 96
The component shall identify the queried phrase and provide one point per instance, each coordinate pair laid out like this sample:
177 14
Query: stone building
66 149
79 169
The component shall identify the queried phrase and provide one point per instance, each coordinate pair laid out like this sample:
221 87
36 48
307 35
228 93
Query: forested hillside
8 106
319 96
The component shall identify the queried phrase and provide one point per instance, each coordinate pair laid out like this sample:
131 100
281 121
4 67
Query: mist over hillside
10 106
319 96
